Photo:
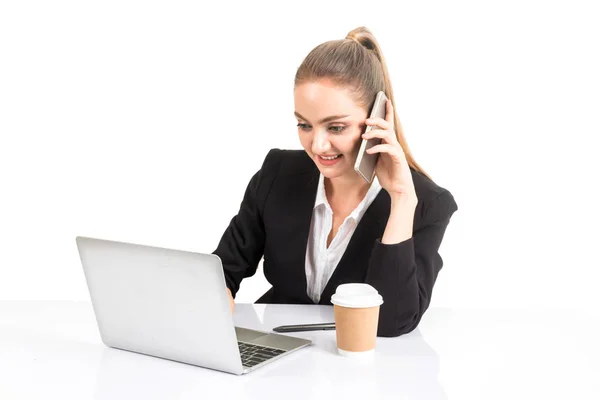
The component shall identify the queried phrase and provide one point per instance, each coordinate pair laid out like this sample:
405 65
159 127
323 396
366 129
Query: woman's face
330 125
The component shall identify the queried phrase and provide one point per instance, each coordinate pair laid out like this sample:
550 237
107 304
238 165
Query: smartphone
365 162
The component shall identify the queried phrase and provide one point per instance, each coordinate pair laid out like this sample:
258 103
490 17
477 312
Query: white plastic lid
356 295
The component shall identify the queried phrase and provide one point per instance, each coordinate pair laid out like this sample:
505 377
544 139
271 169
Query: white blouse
320 260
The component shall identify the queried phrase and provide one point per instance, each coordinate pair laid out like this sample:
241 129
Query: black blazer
274 222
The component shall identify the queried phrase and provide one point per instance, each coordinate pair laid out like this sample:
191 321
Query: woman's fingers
378 122
389 114
231 301
388 122
395 152
384 134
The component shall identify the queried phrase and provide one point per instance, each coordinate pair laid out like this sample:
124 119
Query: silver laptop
172 304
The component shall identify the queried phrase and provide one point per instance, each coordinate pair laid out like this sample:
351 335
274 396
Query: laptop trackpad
247 335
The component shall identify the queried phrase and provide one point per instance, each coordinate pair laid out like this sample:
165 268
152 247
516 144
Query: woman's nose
320 143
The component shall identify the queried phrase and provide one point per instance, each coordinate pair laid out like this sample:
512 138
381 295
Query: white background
143 121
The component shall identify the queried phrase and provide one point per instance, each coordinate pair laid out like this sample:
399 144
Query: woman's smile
329 160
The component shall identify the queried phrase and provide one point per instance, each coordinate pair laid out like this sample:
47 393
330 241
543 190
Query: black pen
328 326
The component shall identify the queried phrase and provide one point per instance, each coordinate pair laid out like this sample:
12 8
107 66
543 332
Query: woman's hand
231 302
392 169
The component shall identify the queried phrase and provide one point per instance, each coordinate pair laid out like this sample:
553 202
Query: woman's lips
329 163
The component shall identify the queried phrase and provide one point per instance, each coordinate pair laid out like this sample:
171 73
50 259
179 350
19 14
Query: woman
317 223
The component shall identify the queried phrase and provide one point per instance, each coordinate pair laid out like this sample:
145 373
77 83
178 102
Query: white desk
52 350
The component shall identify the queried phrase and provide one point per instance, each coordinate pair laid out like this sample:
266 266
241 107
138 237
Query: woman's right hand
231 302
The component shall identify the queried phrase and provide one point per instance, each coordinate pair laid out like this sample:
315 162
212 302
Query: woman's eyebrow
327 119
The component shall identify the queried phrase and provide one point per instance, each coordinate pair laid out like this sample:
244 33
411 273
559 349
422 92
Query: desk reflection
128 375
404 367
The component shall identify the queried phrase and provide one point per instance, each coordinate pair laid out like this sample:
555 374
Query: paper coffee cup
356 313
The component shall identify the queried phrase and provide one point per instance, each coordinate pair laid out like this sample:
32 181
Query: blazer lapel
301 193
355 260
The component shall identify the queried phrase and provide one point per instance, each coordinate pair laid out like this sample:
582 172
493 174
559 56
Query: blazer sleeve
242 245
404 273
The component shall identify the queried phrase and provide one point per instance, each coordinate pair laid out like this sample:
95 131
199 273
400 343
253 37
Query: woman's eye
334 129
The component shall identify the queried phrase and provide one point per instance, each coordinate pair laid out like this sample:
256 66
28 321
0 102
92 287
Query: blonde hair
356 63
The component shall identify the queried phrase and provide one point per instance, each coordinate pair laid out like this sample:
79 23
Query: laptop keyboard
253 354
